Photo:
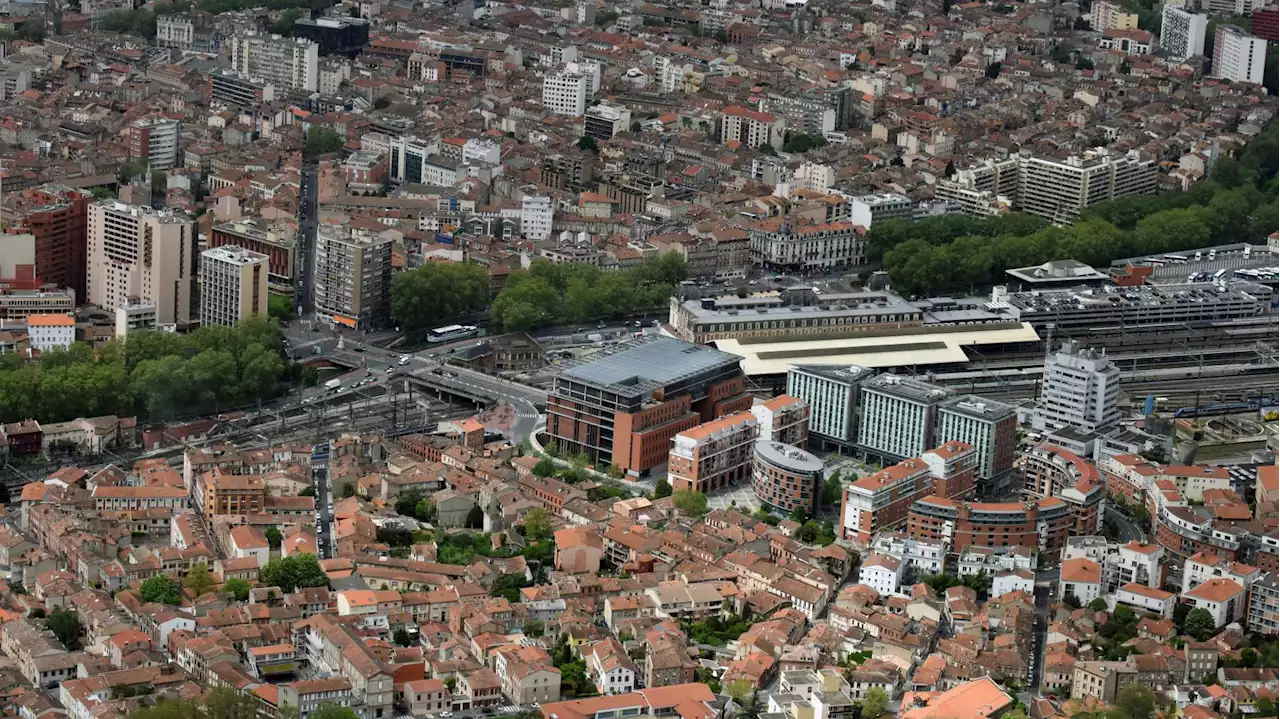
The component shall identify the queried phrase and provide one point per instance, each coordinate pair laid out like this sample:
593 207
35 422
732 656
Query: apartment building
46 332
833 395
882 501
157 141
1182 31
233 285
566 92
1059 189
713 455
794 245
536 216
57 216
1042 525
1056 189
222 493
604 120
785 478
1105 16
292 63
899 416
353 277
277 242
1264 606
134 251
623 406
309 695
749 128
783 419
1238 56
1122 564
1081 389
989 426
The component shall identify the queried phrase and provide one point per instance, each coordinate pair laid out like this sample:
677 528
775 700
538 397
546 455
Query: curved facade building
1052 471
1042 524
784 477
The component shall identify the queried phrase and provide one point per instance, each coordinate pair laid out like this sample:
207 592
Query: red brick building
58 217
1043 524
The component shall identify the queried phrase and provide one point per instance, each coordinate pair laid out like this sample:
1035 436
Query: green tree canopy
537 524
425 298
199 581
239 587
690 502
294 572
162 589
65 625
1199 624
662 488
322 141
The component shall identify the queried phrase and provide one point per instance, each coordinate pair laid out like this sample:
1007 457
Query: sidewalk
640 487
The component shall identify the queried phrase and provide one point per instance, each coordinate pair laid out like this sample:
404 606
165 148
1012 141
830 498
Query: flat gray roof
647 363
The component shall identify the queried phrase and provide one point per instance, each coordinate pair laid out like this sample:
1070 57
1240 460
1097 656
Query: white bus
452 332
1180 259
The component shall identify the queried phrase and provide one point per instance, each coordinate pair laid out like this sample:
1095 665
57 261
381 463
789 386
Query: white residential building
1203 567
233 285
1105 16
833 394
882 573
1013 580
288 62
1238 56
899 415
1146 599
45 332
925 555
1082 578
1121 563
1081 389
565 93
156 141
1182 31
750 128
536 214
1225 599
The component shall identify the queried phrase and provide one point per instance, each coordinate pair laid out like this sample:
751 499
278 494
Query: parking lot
740 497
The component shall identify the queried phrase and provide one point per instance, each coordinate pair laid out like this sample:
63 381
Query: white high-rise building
289 62
155 140
536 214
1081 389
136 252
899 416
233 285
833 394
565 93
1238 56
1182 32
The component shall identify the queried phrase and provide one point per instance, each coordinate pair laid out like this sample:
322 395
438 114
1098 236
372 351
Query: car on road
390 370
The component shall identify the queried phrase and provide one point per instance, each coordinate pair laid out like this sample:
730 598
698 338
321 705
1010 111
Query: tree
767 149
1199 624
1084 63
544 468
293 572
993 70
161 589
799 515
739 690
199 581
238 587
475 518
1098 605
422 299
322 141
36 613
65 625
401 638
279 307
1071 600
537 524
1136 701
587 142
274 537
348 490
1265 706
690 502
832 490
874 703
310 376
508 586
333 711
662 488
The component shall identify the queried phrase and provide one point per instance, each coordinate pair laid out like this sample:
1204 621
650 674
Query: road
305 257
1126 529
